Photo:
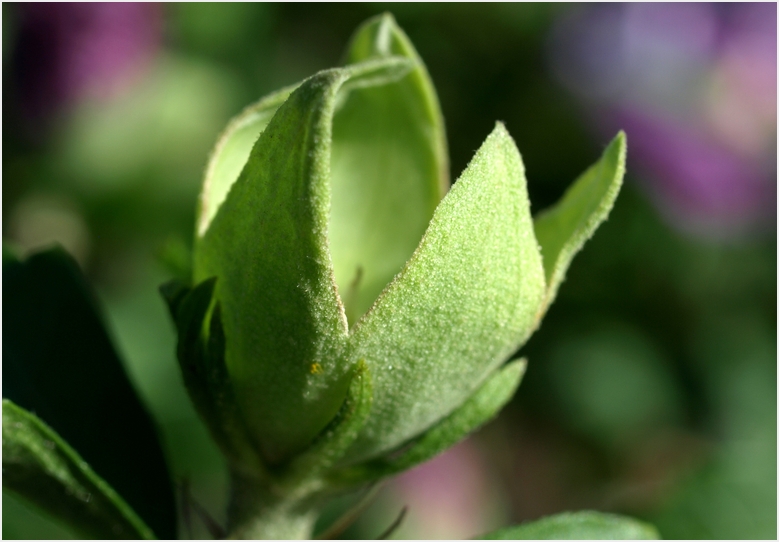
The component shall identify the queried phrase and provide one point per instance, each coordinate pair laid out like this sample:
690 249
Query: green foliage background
651 386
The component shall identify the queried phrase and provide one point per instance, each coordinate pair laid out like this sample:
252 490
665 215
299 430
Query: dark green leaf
40 466
58 362
578 526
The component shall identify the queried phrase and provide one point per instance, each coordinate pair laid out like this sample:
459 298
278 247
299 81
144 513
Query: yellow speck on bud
316 369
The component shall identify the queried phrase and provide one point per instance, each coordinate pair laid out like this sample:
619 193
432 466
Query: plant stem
258 511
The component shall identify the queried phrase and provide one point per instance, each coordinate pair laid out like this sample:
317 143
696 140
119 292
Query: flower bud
345 306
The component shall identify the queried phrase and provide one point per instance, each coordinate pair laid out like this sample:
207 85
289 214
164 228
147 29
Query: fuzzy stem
261 512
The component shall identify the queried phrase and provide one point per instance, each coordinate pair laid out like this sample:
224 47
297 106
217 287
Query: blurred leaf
733 494
275 285
389 160
227 30
476 280
40 466
563 229
613 382
578 526
153 138
176 257
58 361
10 254
478 410
23 520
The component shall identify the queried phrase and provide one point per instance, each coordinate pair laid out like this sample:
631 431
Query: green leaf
563 229
466 300
389 169
59 362
40 466
578 526
268 247
480 408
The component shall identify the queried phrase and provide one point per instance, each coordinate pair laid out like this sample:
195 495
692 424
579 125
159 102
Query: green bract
344 305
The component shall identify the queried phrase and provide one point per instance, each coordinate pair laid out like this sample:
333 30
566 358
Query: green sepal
331 445
200 352
563 229
480 408
40 466
232 151
268 246
586 525
388 159
466 300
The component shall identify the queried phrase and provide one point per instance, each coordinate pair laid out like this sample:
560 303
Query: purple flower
694 86
699 184
451 496
67 52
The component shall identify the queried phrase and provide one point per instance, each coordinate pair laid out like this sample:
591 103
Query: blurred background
651 388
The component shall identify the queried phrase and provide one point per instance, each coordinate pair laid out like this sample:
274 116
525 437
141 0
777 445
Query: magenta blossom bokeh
67 52
694 87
